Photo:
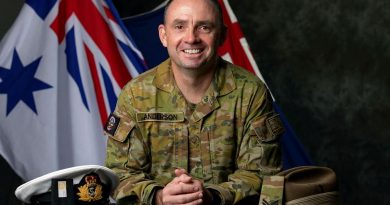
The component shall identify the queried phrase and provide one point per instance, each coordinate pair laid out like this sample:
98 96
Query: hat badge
91 190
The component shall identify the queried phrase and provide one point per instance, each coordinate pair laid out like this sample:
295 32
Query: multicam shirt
230 141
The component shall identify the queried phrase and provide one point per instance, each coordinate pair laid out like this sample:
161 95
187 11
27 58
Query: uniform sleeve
128 156
258 154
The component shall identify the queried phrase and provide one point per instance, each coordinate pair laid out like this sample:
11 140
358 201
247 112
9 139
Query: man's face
191 33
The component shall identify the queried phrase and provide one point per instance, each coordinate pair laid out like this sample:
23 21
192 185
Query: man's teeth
192 51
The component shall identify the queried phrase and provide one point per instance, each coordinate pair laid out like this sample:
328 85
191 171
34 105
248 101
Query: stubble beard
207 65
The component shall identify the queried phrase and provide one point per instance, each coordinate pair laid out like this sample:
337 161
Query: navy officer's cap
88 184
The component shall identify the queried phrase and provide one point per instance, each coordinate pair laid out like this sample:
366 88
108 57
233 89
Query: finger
198 183
184 178
190 198
180 171
181 188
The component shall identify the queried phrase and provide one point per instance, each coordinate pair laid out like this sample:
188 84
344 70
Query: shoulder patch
160 116
112 124
275 125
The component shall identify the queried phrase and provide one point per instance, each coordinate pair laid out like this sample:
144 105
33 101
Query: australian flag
62 66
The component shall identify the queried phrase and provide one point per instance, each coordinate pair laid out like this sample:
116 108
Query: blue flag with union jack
62 66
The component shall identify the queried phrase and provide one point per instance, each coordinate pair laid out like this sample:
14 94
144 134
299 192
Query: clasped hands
183 189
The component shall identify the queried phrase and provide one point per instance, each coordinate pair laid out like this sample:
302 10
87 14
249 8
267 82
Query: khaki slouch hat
305 185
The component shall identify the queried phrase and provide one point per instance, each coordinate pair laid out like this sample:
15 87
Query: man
195 129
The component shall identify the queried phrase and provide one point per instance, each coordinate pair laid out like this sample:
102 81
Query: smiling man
195 129
192 32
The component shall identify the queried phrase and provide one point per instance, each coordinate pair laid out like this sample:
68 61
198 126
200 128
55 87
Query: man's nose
191 36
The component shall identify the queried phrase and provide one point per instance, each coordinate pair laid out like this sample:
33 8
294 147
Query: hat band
327 198
48 198
41 199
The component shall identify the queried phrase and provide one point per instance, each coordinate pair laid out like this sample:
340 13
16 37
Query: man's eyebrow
205 22
179 21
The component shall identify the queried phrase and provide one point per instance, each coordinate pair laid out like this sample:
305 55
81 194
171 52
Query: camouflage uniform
230 141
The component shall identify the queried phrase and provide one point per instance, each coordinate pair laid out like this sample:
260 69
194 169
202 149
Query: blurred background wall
328 66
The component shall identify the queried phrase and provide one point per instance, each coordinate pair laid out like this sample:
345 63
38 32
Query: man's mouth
192 51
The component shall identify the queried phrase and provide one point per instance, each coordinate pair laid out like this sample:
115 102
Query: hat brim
327 198
42 184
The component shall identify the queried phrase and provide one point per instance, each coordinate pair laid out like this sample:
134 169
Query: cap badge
91 190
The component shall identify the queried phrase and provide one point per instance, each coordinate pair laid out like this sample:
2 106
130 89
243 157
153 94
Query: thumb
180 171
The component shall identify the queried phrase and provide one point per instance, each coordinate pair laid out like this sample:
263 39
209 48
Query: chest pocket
165 134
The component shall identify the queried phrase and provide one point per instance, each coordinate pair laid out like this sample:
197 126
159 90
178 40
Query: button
206 99
195 140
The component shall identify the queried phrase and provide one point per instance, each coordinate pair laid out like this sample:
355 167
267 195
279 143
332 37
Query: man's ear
162 34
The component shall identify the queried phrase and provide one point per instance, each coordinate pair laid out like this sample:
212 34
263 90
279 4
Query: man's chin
192 65
195 64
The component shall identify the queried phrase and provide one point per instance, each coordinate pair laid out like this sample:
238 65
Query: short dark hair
215 4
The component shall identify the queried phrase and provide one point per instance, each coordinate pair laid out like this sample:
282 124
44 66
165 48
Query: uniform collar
164 79
224 79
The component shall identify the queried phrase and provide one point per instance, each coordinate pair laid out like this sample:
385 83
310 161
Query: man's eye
205 28
178 27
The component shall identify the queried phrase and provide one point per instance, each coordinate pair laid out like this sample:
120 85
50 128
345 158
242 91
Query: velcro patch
275 125
112 124
160 116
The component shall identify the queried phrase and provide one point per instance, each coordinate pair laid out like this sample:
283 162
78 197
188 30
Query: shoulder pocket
267 127
118 128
